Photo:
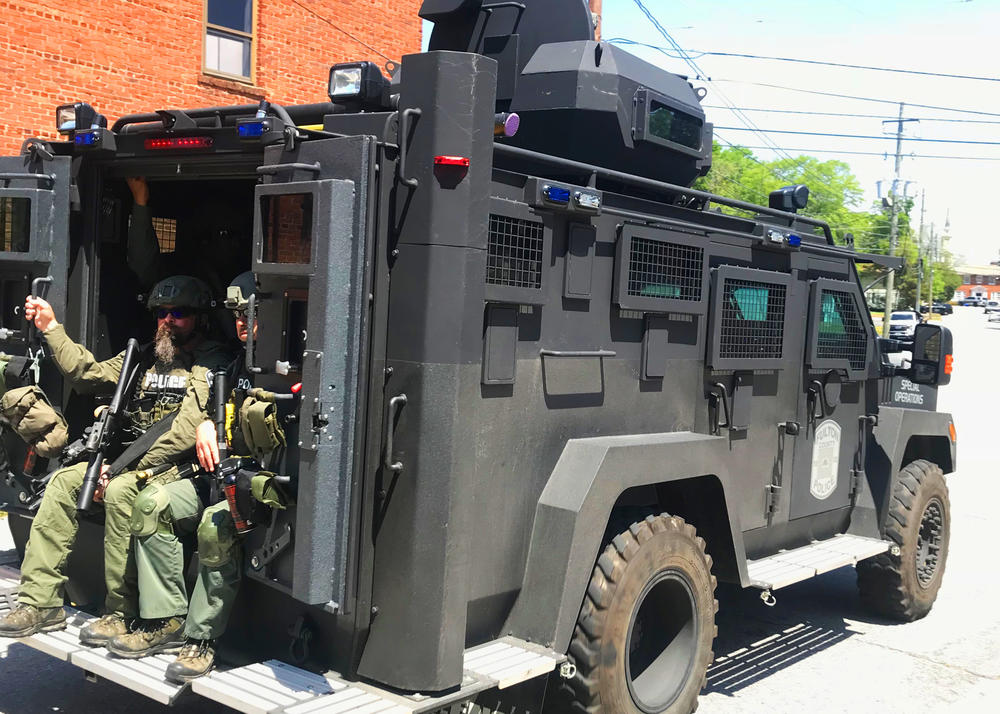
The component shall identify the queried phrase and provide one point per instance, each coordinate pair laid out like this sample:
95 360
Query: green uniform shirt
161 389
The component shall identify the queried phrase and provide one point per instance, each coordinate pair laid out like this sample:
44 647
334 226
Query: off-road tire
905 586
660 559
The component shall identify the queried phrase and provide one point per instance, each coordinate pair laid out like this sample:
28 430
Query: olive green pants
160 562
53 535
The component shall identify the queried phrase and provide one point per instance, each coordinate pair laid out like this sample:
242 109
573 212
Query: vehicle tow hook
768 598
567 670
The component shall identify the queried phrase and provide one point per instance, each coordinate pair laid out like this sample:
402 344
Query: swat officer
163 513
174 368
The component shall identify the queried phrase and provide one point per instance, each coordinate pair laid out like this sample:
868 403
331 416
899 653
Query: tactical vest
159 392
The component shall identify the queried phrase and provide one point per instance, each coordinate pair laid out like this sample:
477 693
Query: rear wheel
904 586
643 640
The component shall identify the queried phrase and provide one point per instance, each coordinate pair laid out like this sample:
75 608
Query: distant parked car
902 324
991 306
940 308
972 301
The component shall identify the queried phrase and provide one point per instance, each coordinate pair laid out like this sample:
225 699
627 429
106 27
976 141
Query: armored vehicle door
311 258
832 399
34 236
34 243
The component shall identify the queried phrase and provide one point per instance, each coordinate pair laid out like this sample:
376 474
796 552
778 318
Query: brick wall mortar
133 56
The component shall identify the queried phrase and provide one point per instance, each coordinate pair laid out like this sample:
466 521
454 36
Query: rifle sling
141 445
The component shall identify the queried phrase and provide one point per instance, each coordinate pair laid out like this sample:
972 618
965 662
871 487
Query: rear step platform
275 687
792 566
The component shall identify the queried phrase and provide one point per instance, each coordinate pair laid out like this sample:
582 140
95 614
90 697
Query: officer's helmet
180 291
239 291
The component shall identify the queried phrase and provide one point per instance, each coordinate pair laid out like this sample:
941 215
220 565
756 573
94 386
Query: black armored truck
550 393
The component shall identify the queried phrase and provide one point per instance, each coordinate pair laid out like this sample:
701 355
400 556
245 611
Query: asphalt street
817 650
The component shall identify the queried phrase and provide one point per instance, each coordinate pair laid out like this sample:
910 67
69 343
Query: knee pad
216 536
148 509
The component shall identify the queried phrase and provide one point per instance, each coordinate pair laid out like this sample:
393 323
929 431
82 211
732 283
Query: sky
941 36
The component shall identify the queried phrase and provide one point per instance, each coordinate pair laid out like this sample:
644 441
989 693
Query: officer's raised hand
139 188
206 446
38 310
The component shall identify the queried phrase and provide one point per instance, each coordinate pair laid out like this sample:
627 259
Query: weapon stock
106 426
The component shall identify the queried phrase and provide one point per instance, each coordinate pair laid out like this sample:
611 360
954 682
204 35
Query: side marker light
948 364
952 432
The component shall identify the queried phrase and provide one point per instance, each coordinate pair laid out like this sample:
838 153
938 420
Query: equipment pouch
268 491
33 418
261 430
216 536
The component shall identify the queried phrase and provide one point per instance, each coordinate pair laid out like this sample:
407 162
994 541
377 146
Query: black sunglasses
178 313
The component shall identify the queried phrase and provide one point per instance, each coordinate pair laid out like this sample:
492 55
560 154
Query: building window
229 38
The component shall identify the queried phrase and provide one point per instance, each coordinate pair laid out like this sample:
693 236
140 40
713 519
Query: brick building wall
126 56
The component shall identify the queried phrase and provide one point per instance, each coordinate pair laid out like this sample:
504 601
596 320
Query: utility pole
894 221
932 252
920 254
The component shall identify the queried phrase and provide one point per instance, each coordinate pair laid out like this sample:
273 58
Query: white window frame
252 36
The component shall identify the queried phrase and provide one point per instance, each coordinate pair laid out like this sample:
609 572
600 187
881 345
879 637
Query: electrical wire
700 54
341 29
850 115
884 154
742 117
866 136
857 98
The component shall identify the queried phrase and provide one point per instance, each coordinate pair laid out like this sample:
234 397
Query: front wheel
904 586
643 640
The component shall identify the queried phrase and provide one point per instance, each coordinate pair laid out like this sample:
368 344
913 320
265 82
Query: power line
742 117
700 53
866 136
860 99
848 114
342 30
884 154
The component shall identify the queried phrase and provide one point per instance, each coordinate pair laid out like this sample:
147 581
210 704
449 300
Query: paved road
816 651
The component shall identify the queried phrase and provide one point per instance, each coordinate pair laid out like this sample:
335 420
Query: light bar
180 142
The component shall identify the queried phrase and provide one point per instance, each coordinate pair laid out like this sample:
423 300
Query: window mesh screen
515 252
841 334
166 233
664 270
753 319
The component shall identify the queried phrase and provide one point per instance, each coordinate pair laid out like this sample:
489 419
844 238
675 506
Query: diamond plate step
792 566
145 675
274 687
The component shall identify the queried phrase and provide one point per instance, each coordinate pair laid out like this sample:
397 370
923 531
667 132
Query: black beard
165 345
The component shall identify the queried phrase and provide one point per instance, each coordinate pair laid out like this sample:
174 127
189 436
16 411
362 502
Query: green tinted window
830 323
672 125
15 224
751 303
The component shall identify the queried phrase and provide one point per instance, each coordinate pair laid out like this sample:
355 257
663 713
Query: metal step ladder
792 566
276 687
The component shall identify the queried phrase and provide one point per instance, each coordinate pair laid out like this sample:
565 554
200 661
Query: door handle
395 404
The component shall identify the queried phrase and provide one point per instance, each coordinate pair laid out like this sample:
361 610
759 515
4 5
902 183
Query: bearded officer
174 366
162 514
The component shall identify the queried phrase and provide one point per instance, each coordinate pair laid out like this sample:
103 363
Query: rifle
106 426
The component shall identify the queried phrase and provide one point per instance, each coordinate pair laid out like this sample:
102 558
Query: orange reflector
451 161
951 431
948 364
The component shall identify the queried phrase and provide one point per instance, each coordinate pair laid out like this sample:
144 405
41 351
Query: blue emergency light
556 194
251 130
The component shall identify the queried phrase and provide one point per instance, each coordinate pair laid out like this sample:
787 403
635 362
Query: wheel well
935 449
698 500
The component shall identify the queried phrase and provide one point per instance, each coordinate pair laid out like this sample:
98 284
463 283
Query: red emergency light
180 142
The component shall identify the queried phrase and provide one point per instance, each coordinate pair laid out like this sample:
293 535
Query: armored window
748 318
659 271
515 252
15 224
674 126
287 224
838 334
229 38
